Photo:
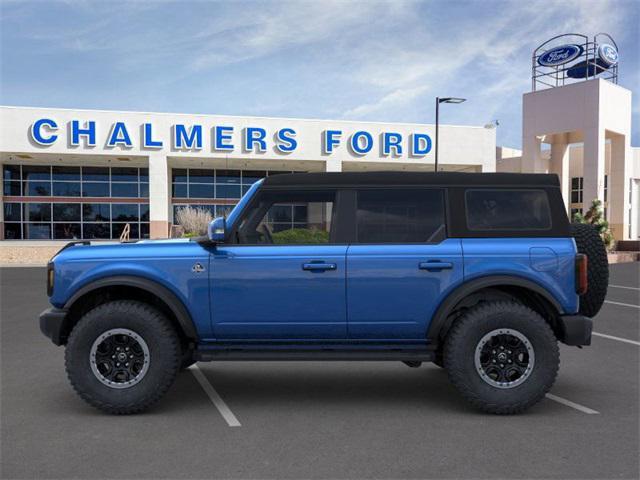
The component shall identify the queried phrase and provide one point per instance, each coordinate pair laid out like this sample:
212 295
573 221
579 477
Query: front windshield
235 213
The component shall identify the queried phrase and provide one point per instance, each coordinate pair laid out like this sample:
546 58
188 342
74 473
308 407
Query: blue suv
481 274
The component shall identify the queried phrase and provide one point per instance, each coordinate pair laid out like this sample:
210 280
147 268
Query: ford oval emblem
608 54
560 55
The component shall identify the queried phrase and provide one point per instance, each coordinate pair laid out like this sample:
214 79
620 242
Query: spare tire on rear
588 241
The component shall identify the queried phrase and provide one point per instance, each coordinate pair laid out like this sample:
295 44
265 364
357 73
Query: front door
284 279
401 264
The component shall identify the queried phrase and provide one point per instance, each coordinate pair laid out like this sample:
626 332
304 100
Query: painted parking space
315 419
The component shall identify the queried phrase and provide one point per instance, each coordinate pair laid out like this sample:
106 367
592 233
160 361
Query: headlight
50 278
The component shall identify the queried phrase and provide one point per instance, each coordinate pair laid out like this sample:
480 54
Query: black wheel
588 241
122 356
502 356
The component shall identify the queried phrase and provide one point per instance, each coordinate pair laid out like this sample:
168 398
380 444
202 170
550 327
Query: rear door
401 263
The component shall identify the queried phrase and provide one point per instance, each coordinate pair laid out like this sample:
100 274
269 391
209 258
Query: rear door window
400 216
502 209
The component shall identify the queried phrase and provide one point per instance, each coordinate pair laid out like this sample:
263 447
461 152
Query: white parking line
619 339
622 304
622 286
571 404
222 407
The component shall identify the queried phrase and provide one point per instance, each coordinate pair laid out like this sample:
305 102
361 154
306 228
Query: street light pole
437 129
438 102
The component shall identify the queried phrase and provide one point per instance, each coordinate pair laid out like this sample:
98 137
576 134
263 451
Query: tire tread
478 317
164 329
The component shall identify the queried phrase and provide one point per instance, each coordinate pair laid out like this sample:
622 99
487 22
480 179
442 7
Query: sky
351 60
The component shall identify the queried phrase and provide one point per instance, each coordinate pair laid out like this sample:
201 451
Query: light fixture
440 100
451 100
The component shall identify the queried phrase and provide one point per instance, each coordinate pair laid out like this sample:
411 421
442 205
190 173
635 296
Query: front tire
122 356
502 356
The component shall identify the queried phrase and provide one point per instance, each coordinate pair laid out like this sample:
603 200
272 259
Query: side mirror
217 229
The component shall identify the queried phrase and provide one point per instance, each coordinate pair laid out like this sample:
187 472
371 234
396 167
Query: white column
619 186
593 164
159 195
559 165
531 155
333 165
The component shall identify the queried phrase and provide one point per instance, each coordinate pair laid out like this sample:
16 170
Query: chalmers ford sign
46 132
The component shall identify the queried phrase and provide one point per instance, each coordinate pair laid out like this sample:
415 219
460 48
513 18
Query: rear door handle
319 267
435 266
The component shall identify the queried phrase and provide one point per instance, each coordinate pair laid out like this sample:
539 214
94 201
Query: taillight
582 282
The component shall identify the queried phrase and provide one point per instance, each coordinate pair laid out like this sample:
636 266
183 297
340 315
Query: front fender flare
176 306
439 320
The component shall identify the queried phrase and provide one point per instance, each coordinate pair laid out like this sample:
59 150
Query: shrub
194 221
595 217
301 235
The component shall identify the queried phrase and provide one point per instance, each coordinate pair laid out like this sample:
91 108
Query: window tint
400 216
66 173
66 189
507 210
290 219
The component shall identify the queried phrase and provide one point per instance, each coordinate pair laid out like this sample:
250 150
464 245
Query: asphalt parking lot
320 420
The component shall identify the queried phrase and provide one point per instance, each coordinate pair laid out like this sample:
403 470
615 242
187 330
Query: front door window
290 219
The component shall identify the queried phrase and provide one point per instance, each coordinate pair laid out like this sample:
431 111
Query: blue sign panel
608 54
560 55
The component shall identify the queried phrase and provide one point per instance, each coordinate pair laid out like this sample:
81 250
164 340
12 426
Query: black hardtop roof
412 178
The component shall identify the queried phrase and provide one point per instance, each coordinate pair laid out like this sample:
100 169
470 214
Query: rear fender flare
439 322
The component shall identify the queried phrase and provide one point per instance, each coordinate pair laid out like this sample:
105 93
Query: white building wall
461 148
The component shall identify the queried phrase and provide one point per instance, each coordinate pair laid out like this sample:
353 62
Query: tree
595 217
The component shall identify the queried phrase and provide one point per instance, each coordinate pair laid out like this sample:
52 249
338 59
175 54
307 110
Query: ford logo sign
608 54
560 55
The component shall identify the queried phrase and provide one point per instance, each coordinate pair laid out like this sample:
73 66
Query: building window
63 181
63 213
575 211
207 188
576 189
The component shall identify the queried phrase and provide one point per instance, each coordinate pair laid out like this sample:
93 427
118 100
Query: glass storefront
215 190
45 202
77 202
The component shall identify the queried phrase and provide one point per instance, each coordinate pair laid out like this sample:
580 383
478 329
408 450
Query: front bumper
53 324
575 330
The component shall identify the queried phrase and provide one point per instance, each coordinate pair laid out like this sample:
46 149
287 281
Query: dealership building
86 174
90 174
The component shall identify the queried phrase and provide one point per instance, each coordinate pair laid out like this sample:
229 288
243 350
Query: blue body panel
548 262
389 296
263 292
167 262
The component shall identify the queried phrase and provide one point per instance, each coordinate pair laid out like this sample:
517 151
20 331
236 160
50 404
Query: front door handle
435 266
319 267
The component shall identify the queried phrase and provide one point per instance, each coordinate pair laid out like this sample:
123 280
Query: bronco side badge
197 268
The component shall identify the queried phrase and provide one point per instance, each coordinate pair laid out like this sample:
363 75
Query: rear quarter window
507 209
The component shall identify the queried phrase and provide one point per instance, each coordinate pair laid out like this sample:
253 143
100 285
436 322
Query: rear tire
588 241
496 332
103 347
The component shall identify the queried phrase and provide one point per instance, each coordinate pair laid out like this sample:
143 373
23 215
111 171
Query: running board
208 355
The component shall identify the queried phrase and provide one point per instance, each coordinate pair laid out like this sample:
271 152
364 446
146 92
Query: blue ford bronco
481 274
